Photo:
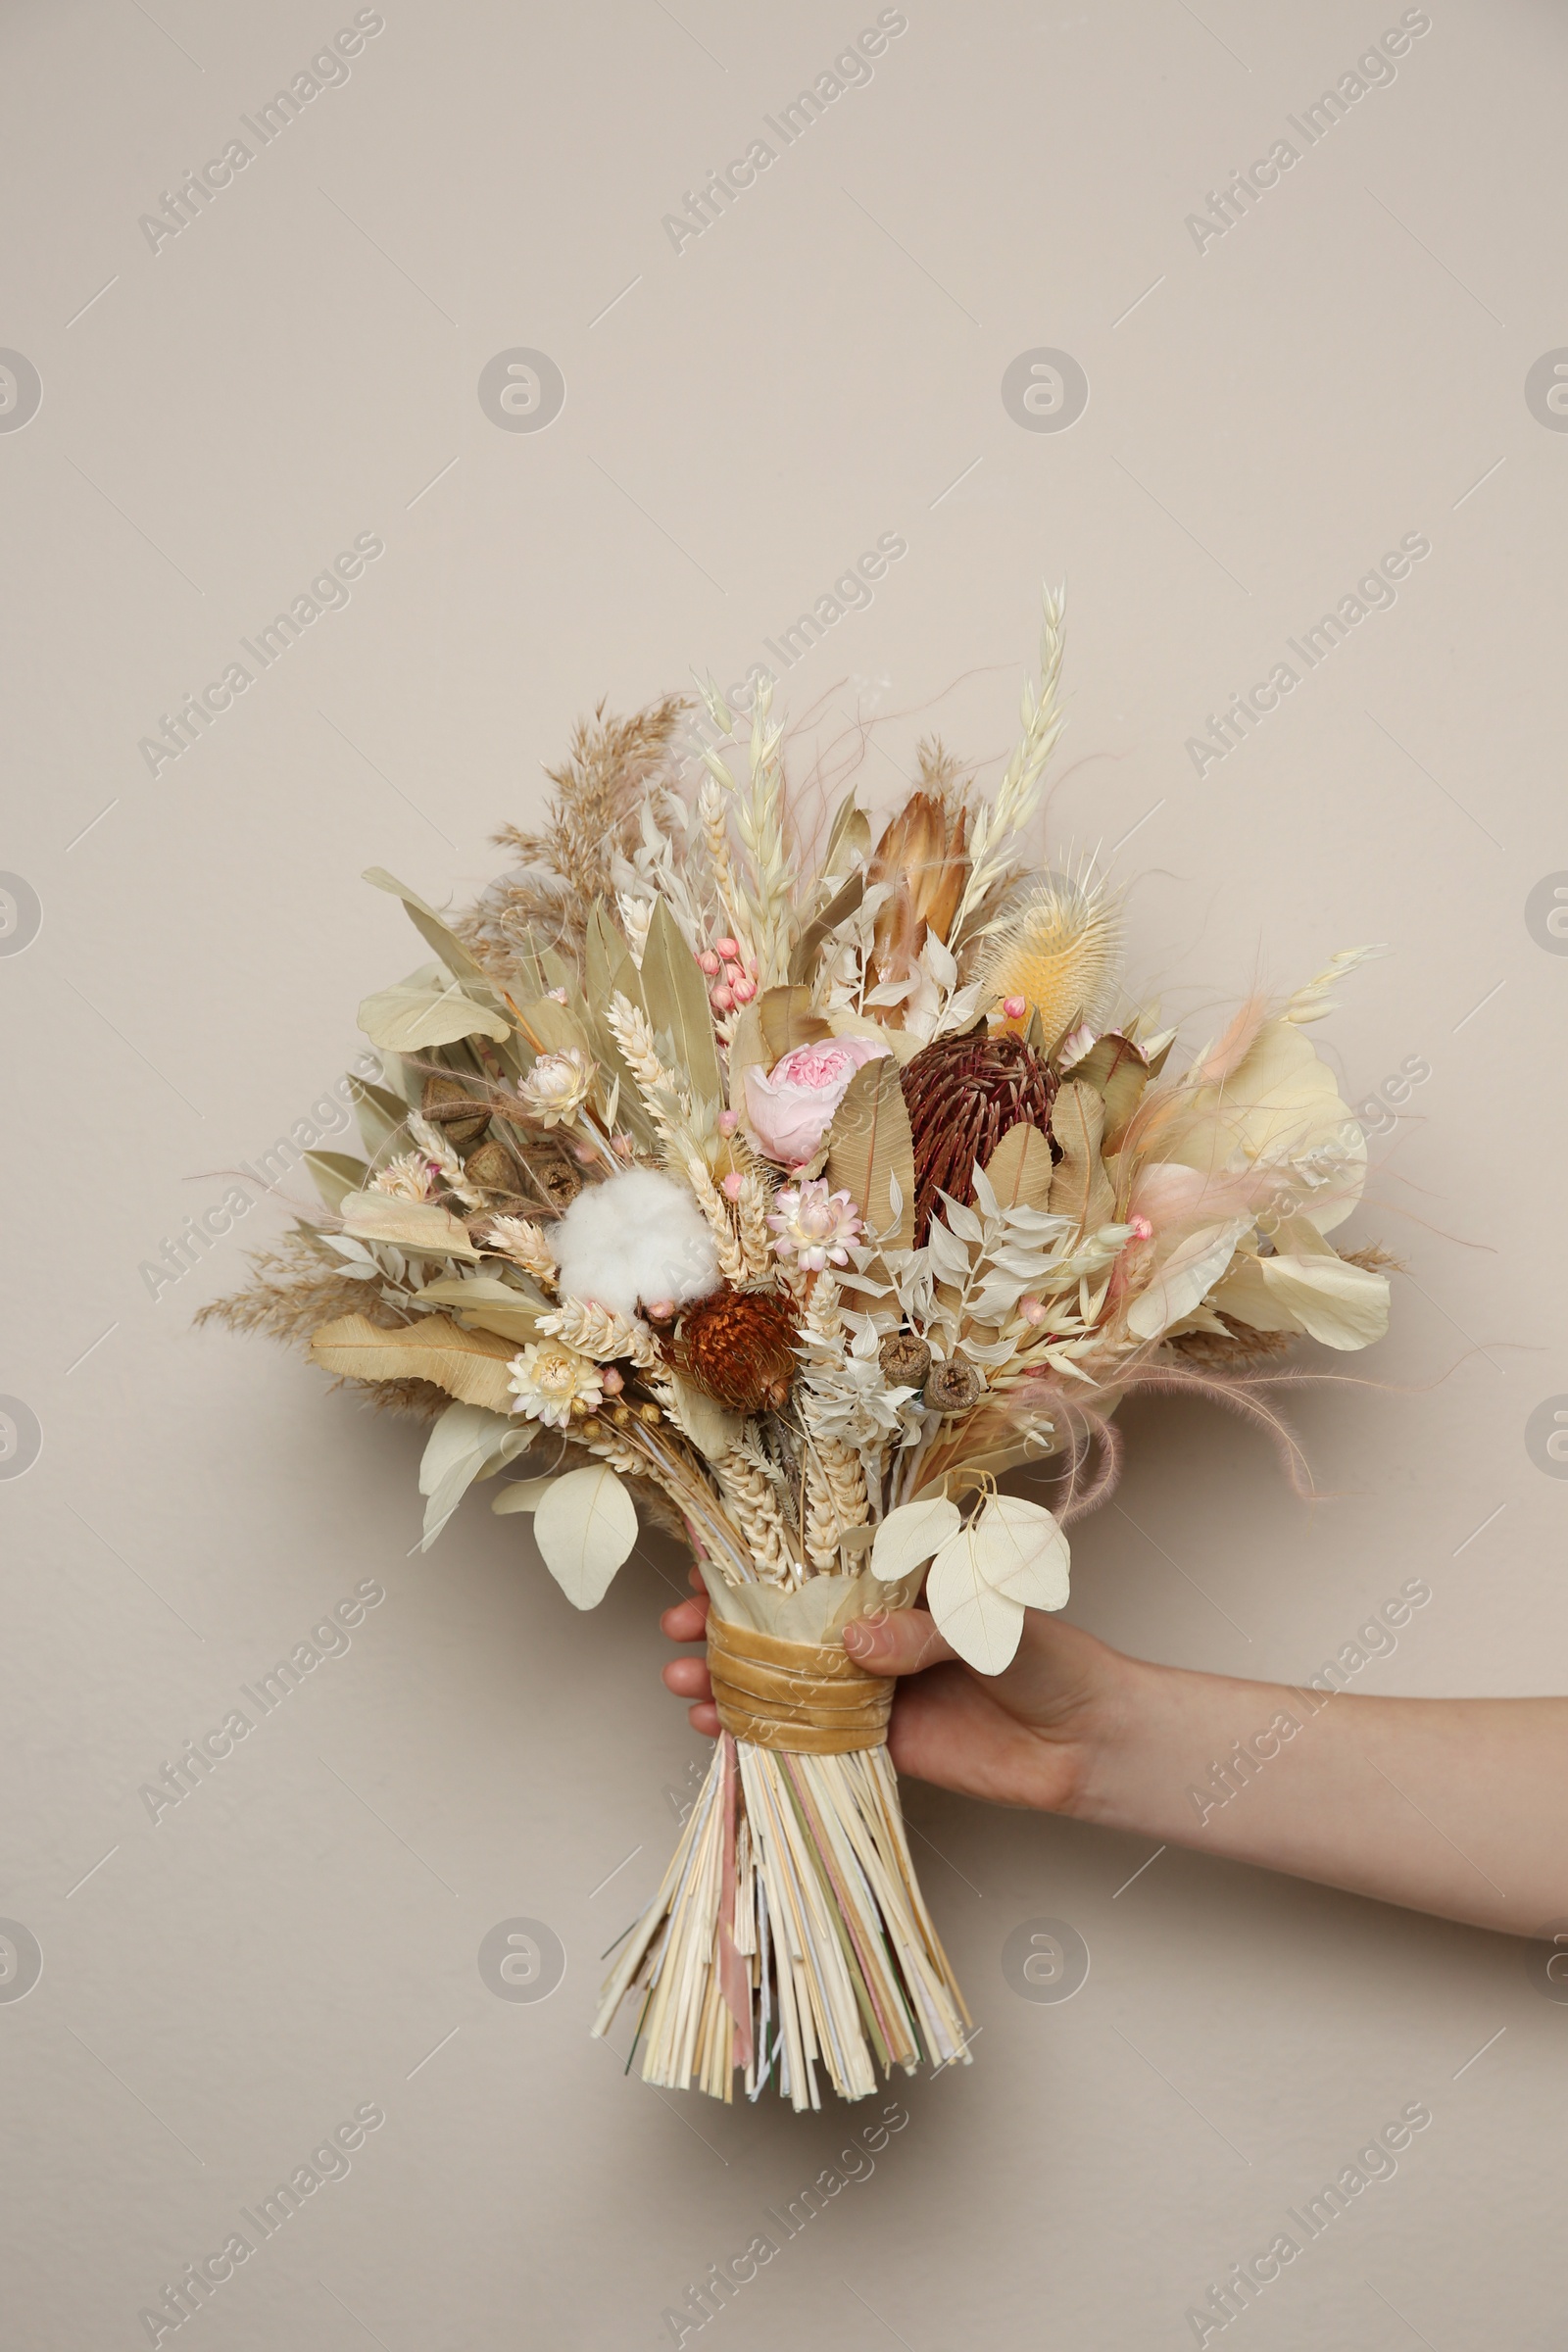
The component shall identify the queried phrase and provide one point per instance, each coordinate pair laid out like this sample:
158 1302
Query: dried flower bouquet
792 1204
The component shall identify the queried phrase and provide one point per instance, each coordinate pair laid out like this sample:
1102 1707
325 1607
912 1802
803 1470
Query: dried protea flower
922 856
953 1388
1056 950
739 1347
962 1094
905 1358
448 1105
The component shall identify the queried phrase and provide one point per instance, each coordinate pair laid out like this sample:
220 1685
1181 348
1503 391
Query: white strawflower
548 1380
638 1239
557 1086
408 1177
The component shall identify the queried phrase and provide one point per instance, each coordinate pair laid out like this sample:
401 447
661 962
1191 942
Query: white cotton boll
633 1239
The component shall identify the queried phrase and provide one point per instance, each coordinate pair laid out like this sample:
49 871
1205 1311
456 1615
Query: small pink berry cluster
730 973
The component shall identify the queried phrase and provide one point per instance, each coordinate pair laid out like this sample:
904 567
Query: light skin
1457 1807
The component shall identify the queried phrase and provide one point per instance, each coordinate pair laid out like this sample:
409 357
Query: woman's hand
1453 1805
1028 1737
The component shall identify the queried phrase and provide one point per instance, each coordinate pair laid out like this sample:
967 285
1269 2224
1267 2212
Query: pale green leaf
675 993
431 927
482 1303
409 1017
422 1226
336 1175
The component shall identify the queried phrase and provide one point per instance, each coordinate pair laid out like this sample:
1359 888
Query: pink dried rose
792 1109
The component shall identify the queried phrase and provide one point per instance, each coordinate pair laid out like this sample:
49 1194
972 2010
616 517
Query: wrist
1115 1742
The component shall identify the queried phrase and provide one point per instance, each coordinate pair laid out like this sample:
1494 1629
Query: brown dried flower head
739 1347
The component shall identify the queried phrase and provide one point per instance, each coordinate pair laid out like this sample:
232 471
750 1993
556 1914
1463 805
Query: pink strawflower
814 1226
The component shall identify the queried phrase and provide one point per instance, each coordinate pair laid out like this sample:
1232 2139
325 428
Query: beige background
820 367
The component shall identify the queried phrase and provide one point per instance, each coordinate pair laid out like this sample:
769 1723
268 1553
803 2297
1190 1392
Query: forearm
1454 1806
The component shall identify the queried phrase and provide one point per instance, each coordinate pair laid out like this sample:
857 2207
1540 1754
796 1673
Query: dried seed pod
906 1359
491 1166
953 1388
539 1169
441 1103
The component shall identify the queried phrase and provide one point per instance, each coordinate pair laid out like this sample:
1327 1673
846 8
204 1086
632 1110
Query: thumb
896 1642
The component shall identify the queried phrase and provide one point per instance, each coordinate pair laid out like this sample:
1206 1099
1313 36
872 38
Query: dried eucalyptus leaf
417 1225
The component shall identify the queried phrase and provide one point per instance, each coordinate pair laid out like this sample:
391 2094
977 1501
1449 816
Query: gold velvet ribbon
793 1695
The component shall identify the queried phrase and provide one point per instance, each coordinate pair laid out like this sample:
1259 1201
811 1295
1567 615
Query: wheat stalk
755 1508
756 1243
599 1332
997 825
524 1244
711 1200
712 818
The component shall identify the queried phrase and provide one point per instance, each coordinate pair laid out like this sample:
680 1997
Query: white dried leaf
584 1527
523 1494
963 1221
982 1624
1192 1268
912 1534
1040 1552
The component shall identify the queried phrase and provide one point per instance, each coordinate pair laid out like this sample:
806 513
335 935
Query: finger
688 1678
896 1642
687 1621
704 1719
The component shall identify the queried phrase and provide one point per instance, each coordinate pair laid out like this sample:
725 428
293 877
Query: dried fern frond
592 819
294 1290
